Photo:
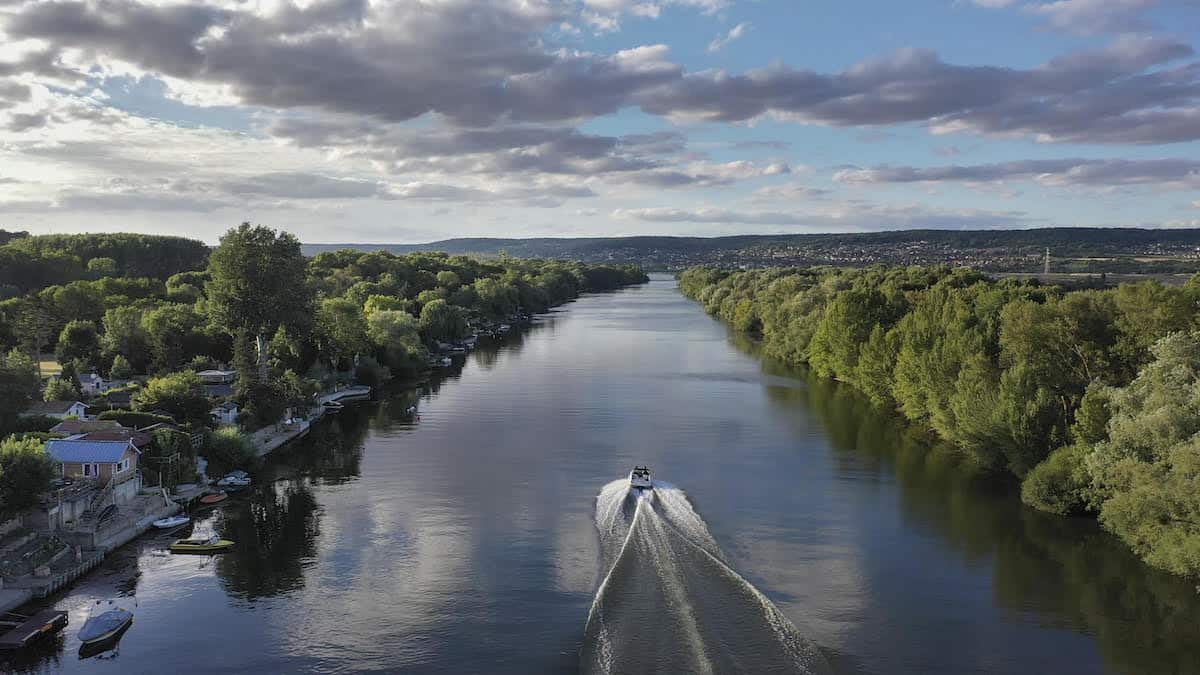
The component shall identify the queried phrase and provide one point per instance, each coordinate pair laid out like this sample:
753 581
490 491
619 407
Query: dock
29 629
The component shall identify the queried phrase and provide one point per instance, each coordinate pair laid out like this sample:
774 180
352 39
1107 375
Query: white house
225 414
57 409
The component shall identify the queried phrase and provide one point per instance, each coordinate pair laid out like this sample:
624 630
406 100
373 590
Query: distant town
1058 251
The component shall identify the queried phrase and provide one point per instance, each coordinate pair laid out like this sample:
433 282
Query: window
91 470
123 465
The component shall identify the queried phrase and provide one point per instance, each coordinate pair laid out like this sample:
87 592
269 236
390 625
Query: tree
173 332
1147 471
19 382
125 336
397 337
258 284
60 389
102 267
120 370
448 280
442 321
25 474
342 328
79 341
180 394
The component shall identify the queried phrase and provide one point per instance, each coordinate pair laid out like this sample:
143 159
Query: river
467 537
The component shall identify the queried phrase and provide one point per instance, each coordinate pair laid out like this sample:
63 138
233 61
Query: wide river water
472 537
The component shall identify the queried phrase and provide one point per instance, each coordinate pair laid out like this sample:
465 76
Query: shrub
1061 483
227 449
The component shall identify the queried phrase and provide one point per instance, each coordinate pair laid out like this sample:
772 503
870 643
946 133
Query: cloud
1163 173
1093 16
735 33
841 215
294 185
1109 95
390 62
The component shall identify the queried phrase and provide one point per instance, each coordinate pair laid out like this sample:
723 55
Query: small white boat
235 479
504 328
107 620
171 522
639 478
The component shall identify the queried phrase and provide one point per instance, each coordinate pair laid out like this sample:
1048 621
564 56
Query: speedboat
106 622
171 522
212 544
639 478
235 479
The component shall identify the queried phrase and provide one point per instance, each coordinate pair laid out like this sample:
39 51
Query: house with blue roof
115 460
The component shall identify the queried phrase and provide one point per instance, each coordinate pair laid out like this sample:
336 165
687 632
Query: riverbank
1064 390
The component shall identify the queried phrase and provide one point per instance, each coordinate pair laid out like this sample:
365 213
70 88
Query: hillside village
127 387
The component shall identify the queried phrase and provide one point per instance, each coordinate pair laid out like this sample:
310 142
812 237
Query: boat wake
670 601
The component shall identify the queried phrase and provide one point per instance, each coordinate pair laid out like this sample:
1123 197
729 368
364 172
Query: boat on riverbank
214 498
107 622
171 522
210 544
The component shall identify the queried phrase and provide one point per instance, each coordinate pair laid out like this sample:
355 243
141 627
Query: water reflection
1059 572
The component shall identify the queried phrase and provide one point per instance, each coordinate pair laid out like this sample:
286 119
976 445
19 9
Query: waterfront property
56 409
104 460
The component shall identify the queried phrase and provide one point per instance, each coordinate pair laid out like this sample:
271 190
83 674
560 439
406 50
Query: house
225 414
218 390
217 376
115 461
91 384
76 427
140 439
57 409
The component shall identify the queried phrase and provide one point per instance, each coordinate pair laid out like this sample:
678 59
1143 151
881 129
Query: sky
385 121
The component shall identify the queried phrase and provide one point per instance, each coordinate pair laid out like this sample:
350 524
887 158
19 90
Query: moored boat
214 498
107 622
211 544
235 479
171 522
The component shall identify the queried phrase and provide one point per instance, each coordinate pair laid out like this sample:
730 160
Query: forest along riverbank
1088 396
465 537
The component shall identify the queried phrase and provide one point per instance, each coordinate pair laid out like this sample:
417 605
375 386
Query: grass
49 366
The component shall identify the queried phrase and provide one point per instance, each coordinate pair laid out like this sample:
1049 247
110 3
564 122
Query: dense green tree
397 338
258 284
442 321
25 474
19 383
342 328
179 394
80 342
124 335
120 370
175 335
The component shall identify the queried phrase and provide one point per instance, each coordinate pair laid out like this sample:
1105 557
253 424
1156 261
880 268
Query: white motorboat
171 522
107 620
639 478
235 479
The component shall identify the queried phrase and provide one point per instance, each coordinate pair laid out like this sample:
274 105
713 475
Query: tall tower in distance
1046 269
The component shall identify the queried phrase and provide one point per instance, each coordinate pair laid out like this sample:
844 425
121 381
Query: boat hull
219 547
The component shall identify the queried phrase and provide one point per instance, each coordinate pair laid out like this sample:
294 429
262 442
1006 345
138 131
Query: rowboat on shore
214 498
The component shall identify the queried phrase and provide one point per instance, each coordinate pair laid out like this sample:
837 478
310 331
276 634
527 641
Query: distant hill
1071 249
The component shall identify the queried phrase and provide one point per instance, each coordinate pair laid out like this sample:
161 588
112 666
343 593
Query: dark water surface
466 541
